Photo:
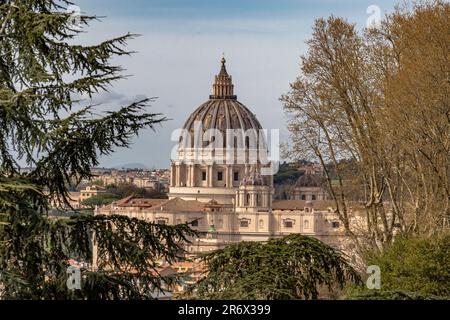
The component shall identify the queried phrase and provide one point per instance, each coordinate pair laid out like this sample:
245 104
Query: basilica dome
221 149
222 111
223 114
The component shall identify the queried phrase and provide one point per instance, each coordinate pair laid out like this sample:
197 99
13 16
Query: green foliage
35 254
412 268
124 190
293 267
44 126
287 173
100 200
391 295
97 182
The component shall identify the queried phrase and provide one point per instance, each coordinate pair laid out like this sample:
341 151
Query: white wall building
223 187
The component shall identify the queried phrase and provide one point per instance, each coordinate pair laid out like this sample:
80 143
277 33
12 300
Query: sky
179 49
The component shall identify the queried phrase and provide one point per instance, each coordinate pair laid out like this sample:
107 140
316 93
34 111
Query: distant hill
288 173
136 165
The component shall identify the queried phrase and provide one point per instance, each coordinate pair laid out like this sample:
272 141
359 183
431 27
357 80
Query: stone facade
231 201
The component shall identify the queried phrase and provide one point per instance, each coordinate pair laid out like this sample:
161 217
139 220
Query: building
224 190
155 180
205 171
89 192
76 198
309 187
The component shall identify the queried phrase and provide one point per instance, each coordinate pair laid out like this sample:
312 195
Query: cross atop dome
223 87
223 70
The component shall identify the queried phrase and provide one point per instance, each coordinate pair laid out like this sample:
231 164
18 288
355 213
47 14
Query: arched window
313 197
261 223
220 122
303 197
306 224
247 199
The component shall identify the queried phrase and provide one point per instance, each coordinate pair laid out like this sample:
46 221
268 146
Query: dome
253 179
222 111
309 180
223 114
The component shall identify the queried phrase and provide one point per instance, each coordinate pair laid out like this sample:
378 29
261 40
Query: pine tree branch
12 6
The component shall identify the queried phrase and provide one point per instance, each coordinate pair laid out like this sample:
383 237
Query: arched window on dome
189 143
207 122
221 121
247 199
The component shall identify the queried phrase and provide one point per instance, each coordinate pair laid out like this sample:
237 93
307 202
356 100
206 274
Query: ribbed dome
222 111
223 114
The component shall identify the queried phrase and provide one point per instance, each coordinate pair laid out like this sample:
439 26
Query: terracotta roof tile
132 201
178 204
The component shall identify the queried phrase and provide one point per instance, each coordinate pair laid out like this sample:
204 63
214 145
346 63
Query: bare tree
373 109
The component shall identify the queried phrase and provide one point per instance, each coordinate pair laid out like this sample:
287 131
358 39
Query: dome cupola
223 87
221 142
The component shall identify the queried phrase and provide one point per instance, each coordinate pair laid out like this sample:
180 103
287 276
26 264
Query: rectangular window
335 224
244 223
161 221
203 175
220 176
288 224
236 176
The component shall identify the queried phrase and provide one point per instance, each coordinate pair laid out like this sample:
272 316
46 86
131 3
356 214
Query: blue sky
179 50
